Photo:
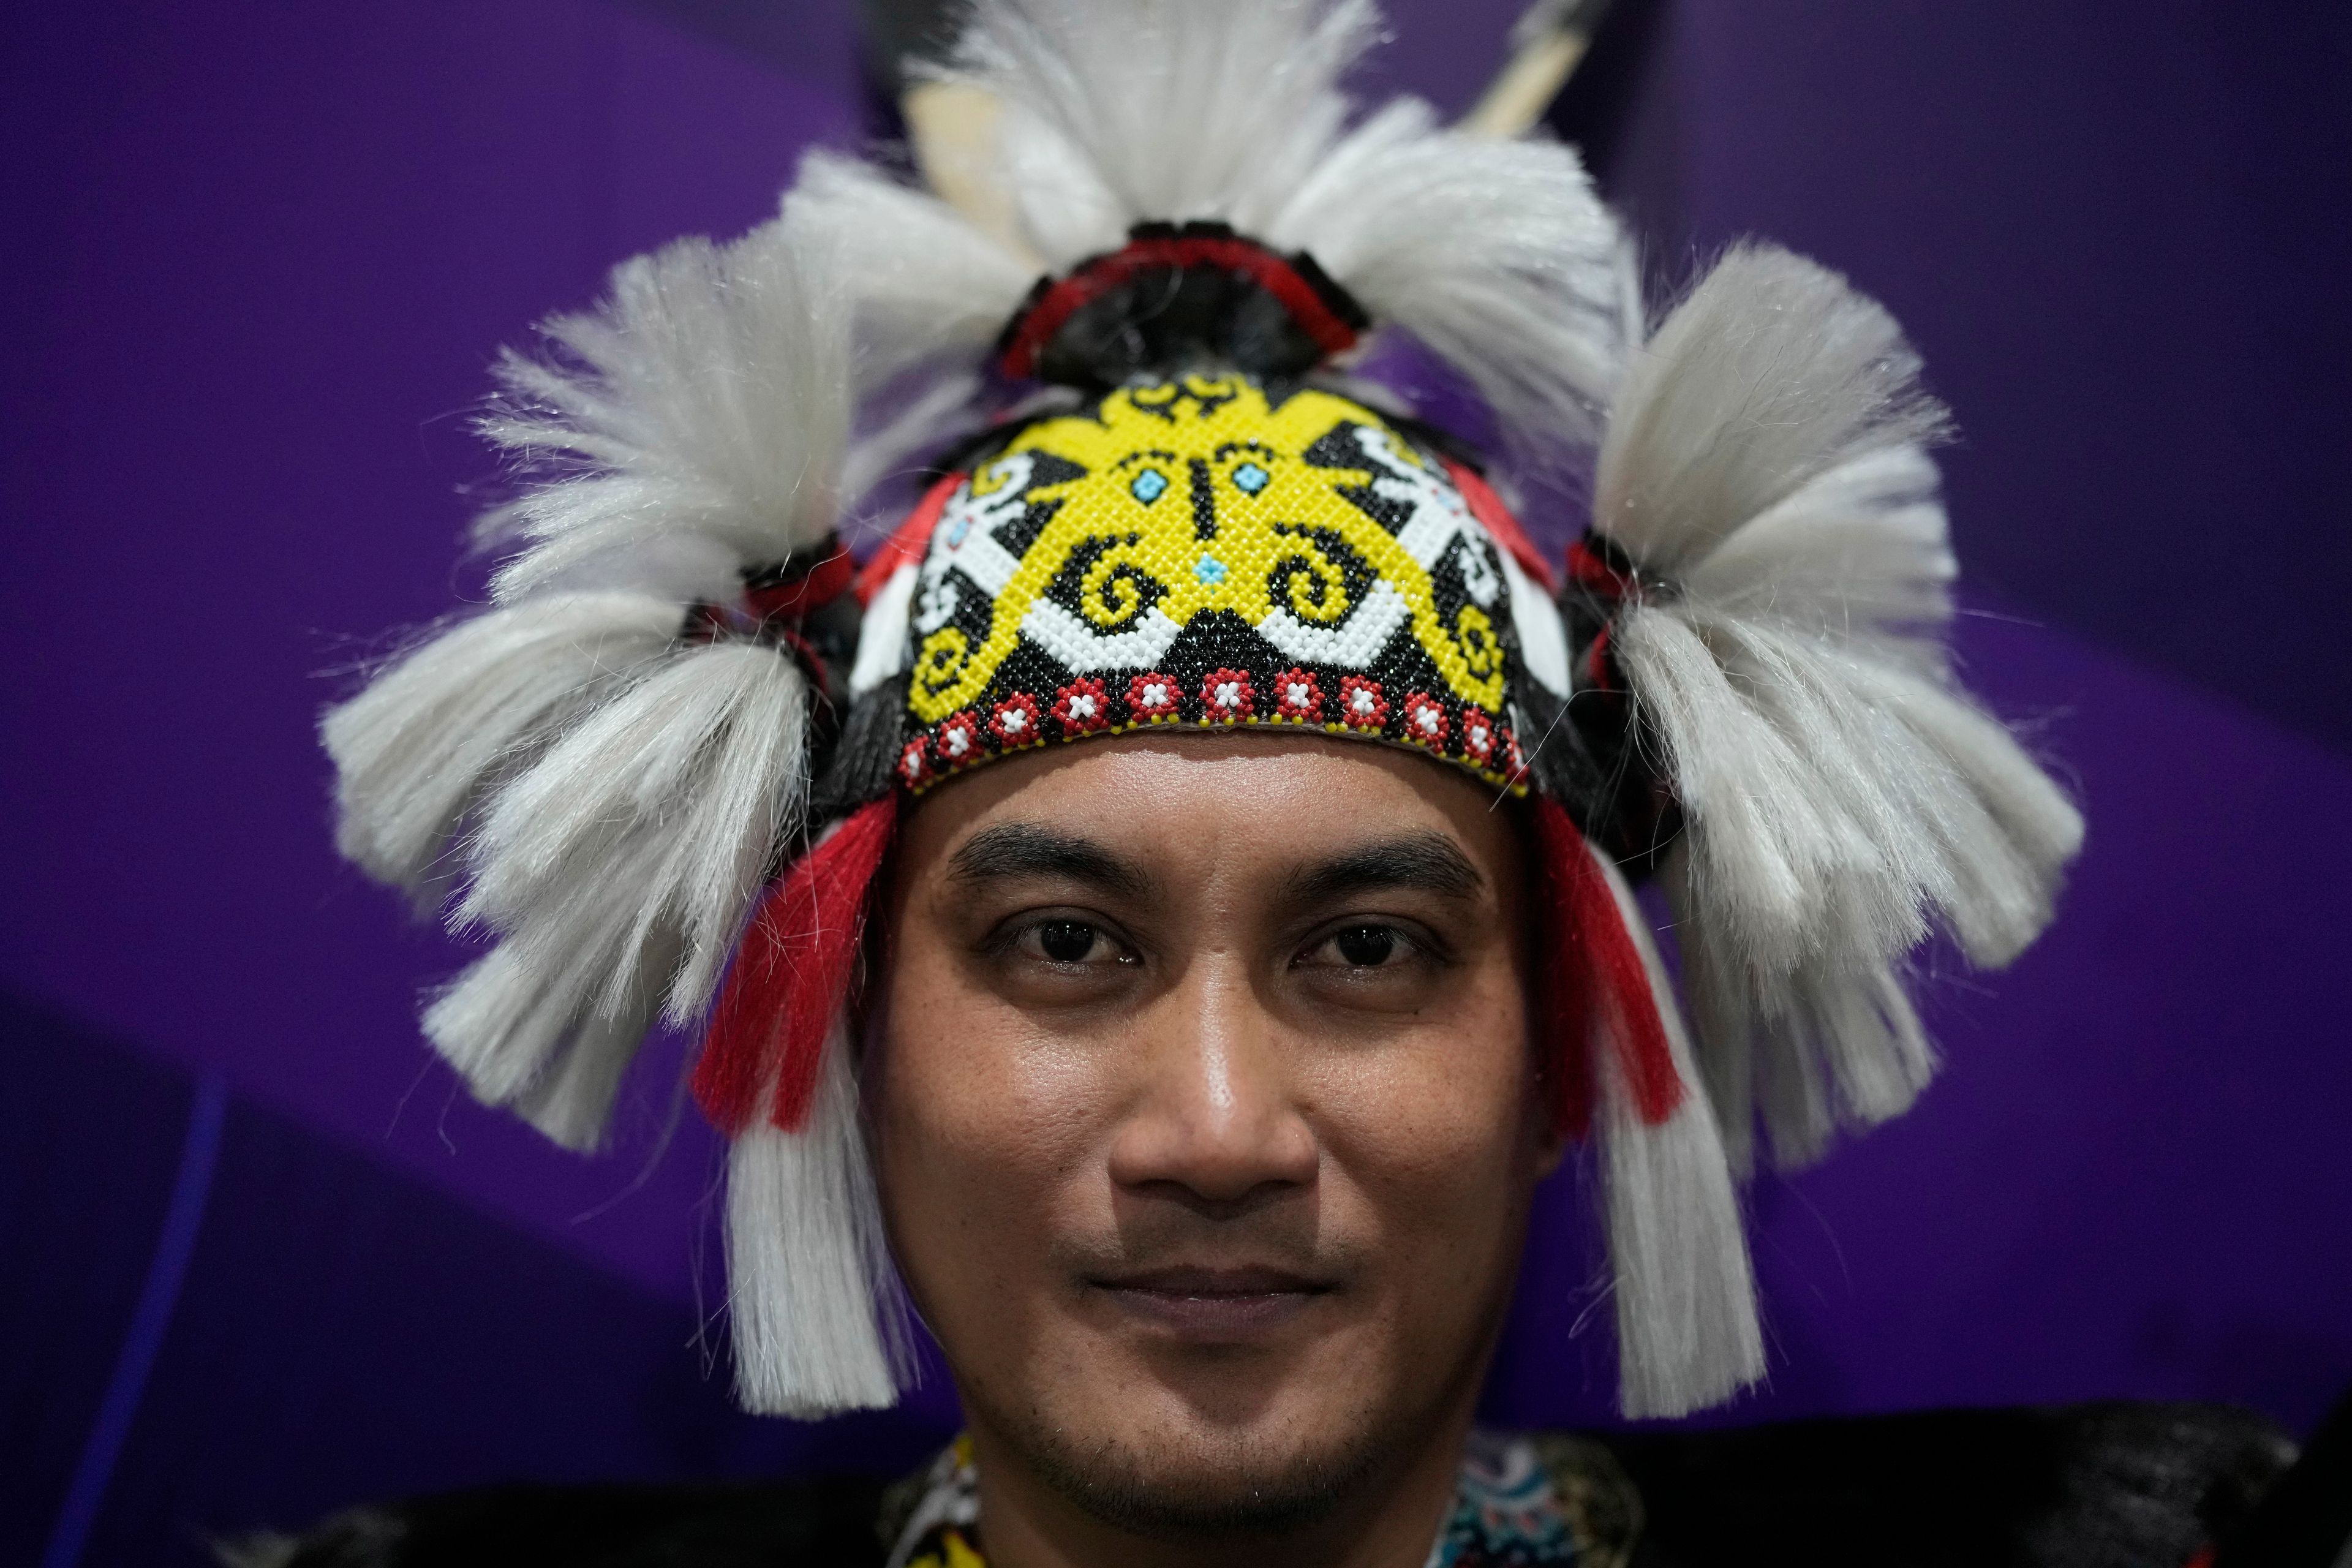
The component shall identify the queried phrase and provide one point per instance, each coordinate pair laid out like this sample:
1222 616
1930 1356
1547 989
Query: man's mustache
1171 1239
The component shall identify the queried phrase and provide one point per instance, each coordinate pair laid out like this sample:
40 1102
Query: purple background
258 259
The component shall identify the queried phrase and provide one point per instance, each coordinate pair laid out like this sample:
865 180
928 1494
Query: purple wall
275 251
257 260
2130 1178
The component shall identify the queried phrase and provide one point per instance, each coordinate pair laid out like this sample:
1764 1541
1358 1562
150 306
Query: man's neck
1389 1519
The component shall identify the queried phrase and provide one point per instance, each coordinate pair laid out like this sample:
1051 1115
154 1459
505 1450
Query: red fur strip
1595 982
1277 275
910 542
820 585
791 976
1489 509
1593 570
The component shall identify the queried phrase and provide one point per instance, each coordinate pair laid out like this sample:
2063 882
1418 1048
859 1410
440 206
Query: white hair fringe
606 793
928 284
817 1312
1766 461
1687 1333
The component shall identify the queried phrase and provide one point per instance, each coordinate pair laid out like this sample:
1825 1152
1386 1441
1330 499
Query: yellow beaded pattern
1303 530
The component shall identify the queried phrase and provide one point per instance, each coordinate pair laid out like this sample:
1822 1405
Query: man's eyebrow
1025 849
1429 862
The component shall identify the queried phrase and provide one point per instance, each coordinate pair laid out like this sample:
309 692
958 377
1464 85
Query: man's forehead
1133 815
1255 765
1370 856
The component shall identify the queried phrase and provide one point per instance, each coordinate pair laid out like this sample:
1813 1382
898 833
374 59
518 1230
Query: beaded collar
1521 1501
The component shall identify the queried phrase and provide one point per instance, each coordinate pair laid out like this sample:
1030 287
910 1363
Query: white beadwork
1439 515
1478 575
965 538
882 634
1350 647
1081 649
1543 641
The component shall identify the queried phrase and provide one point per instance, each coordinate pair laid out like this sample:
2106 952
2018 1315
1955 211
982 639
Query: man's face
1206 1114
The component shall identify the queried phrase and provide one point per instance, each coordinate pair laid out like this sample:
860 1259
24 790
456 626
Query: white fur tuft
1124 111
618 790
695 423
413 751
665 803
1767 460
1687 1333
617 871
1495 254
927 282
812 1296
523 1039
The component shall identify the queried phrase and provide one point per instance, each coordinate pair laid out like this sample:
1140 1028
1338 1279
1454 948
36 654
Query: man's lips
1214 1306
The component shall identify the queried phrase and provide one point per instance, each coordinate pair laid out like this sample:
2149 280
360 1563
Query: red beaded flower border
1013 722
1478 737
1151 698
1298 696
959 740
1226 697
1085 706
1082 707
1425 723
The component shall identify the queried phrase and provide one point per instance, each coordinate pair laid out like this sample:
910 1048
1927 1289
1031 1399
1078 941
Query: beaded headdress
663 770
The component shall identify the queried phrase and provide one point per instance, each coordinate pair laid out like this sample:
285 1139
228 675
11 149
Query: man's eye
1363 947
1067 941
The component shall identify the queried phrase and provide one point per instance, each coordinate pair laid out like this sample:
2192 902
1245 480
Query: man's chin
1207 1487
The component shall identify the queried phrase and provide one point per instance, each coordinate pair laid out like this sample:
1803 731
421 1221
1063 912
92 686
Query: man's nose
1215 1111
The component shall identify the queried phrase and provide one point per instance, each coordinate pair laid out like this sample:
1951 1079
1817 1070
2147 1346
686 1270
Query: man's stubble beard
1247 1493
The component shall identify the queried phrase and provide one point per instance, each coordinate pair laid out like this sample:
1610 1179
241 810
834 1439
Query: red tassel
1595 982
791 976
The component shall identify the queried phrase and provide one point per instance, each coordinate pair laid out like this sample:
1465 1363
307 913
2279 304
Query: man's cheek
986 1166
1433 1131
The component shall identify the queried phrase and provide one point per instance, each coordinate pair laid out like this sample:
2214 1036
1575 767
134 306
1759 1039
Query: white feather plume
1767 461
